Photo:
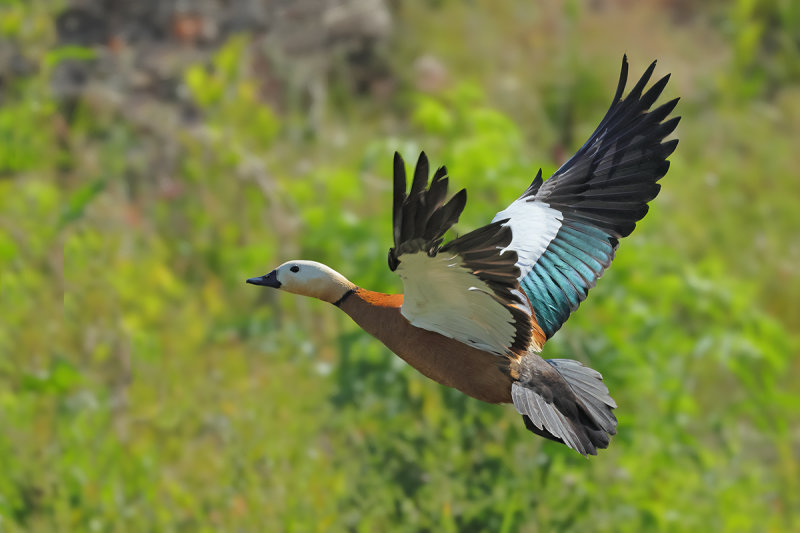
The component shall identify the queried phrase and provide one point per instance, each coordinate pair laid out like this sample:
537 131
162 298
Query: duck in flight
476 311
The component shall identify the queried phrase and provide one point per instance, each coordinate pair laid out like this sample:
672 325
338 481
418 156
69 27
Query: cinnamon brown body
452 363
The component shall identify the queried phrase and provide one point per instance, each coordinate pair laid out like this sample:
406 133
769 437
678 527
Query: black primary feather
421 218
610 179
399 195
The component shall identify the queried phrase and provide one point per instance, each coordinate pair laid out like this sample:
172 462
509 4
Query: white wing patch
443 296
533 227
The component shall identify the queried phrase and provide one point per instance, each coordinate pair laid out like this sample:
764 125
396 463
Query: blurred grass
143 386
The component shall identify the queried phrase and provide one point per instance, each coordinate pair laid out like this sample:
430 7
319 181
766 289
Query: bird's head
307 278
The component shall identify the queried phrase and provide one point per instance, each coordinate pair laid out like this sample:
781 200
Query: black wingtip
421 171
441 172
399 196
533 188
459 201
636 92
623 80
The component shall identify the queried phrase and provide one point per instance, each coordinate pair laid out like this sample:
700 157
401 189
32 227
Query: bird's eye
294 268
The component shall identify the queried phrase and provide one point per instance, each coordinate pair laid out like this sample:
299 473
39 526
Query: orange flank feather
538 338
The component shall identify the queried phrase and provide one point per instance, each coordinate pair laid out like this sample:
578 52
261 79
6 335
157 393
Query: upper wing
567 229
468 289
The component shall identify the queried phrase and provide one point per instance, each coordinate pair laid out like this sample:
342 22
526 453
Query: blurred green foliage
144 387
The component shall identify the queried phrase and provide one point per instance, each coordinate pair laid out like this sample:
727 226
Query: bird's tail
564 401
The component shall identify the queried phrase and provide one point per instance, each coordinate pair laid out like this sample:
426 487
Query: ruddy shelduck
476 311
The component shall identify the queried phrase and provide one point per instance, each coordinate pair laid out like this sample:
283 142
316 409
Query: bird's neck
377 313
328 285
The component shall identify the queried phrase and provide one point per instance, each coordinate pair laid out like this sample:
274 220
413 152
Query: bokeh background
154 154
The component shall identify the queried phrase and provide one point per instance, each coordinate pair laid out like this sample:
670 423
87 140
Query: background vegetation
144 387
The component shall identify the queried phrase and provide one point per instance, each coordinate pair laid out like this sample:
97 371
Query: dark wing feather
600 194
609 181
421 218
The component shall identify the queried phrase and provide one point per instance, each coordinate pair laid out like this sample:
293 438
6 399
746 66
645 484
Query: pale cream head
307 278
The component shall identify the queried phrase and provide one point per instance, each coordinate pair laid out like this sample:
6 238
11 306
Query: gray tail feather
578 415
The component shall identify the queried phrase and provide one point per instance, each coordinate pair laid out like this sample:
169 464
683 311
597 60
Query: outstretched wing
567 229
468 289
